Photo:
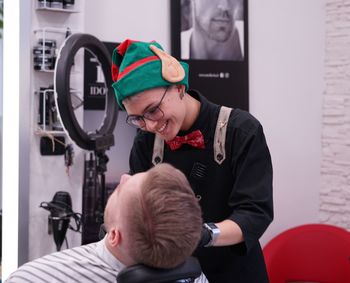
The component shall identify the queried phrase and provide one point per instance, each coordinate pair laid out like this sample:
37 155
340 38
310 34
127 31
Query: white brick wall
335 165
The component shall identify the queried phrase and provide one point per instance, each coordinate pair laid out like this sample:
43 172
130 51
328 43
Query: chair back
309 253
185 272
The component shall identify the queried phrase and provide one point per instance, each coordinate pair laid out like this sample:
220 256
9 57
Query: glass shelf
57 10
58 6
45 70
41 132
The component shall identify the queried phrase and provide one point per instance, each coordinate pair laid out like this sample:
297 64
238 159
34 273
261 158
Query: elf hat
138 66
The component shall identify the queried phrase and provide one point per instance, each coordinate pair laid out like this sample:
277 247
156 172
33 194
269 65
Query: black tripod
94 195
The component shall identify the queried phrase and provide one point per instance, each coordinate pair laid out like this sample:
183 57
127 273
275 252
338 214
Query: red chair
309 253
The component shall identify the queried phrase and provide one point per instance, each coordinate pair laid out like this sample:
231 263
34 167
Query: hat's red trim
122 47
115 72
135 65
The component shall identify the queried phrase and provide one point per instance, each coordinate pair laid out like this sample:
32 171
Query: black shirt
239 189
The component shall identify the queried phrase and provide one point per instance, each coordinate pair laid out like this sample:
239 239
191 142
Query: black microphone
60 213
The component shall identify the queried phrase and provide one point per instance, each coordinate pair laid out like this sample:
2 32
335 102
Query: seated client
152 218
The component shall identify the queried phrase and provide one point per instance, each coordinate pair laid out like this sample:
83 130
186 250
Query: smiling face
172 106
215 18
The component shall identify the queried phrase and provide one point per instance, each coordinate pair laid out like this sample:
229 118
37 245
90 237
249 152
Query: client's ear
114 237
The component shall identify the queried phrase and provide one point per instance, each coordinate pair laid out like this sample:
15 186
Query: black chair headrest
139 273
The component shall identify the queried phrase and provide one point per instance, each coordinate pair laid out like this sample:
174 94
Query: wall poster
94 82
212 37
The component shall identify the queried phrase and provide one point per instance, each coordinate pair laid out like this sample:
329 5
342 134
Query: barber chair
186 272
309 253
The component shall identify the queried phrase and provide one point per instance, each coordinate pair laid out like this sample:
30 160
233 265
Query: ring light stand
94 191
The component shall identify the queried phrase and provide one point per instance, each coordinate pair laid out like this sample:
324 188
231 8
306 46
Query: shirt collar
107 256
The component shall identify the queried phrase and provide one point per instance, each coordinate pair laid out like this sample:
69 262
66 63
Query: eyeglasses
152 114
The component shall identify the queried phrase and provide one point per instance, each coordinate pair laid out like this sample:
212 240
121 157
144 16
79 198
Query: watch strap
214 233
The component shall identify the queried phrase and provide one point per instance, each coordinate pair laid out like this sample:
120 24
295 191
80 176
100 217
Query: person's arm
251 198
230 233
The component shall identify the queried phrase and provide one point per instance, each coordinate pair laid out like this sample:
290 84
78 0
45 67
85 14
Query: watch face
212 226
214 233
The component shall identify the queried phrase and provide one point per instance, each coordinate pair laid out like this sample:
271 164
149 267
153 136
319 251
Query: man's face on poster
215 18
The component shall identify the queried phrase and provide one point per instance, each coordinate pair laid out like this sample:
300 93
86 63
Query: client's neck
120 254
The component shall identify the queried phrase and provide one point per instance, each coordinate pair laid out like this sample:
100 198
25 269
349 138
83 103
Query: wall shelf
45 51
57 10
42 133
62 7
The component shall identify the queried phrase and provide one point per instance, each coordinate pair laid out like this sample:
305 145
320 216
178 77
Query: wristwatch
214 233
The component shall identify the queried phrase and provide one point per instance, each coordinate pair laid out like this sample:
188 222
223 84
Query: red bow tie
194 139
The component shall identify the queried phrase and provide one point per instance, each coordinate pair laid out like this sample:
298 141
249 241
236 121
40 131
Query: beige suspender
219 139
220 134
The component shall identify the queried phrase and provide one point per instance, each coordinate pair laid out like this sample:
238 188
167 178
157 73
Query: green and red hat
138 66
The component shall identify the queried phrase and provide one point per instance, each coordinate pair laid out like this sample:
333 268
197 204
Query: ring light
102 138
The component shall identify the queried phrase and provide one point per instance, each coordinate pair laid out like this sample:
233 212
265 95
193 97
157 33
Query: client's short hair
165 220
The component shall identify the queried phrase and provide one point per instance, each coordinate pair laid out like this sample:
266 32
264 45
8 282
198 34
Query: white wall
142 20
335 165
47 174
286 88
286 52
112 20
